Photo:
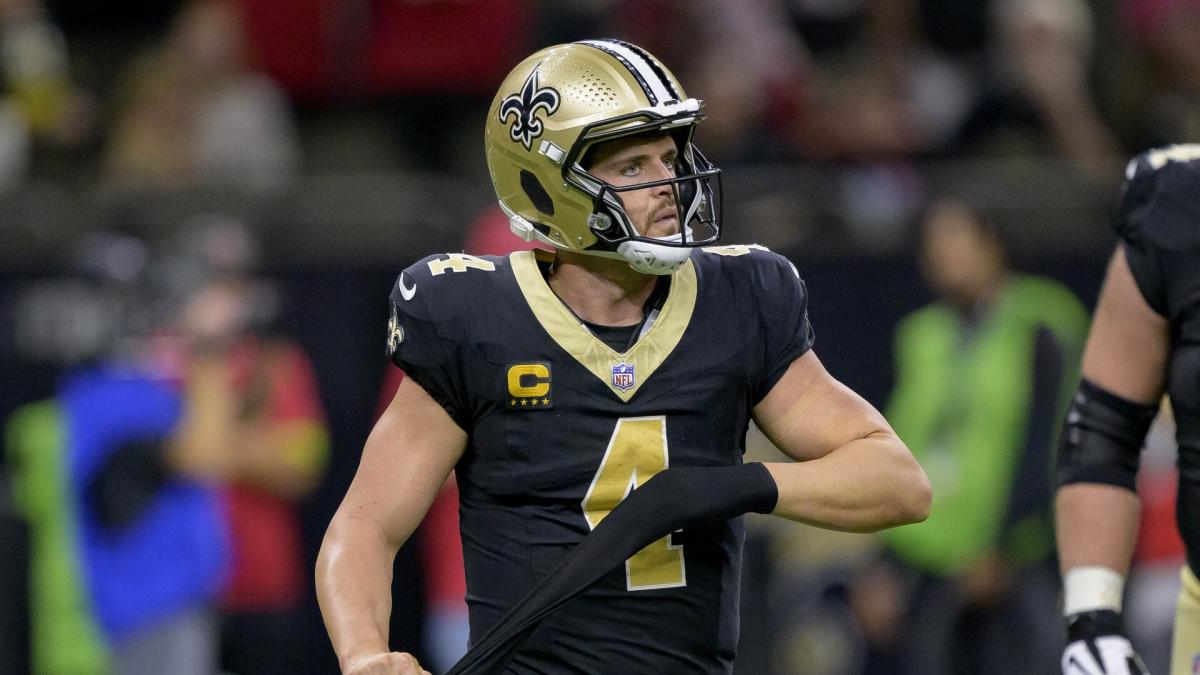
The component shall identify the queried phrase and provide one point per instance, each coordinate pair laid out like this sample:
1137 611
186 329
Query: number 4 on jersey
636 451
460 262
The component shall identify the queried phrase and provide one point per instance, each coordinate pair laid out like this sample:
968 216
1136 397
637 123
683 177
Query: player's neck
599 290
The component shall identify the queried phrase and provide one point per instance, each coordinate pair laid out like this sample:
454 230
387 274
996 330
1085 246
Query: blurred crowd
173 439
209 92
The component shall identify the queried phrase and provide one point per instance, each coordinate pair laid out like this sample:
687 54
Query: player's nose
664 191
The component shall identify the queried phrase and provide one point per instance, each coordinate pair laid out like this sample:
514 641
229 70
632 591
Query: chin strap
643 256
522 227
650 258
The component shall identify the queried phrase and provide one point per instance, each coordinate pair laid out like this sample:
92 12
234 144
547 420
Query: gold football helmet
558 103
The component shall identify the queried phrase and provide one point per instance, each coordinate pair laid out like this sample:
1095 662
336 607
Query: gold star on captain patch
545 401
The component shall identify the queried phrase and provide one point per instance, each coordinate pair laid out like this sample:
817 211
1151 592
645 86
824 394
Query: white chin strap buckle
650 258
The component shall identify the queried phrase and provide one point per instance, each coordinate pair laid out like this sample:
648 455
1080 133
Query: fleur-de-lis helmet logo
522 107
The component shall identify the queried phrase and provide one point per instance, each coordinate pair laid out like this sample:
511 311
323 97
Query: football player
555 383
1145 338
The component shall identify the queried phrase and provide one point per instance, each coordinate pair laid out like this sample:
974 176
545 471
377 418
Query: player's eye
632 169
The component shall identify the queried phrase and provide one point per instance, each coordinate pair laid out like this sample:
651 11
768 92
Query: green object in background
66 639
962 404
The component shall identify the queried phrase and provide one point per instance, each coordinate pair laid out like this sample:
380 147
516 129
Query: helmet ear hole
536 193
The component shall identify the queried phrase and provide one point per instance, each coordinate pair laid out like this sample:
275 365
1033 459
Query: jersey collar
624 374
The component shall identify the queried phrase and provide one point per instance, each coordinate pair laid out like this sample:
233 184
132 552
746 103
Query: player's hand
388 663
1096 645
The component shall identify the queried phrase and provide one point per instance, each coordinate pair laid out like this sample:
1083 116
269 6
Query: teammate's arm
1125 356
405 461
852 472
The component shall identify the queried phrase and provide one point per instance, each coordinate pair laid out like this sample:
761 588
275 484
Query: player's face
641 159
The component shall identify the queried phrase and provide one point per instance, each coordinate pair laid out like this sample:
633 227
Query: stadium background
834 123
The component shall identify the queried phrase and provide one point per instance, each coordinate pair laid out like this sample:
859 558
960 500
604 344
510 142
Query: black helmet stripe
655 65
648 76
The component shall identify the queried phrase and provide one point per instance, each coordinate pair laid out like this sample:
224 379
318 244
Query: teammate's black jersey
561 427
1159 224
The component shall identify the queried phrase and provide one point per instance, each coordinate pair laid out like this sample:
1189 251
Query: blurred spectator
36 72
823 80
1164 89
194 112
60 606
184 452
254 425
922 77
875 80
430 66
331 50
882 90
1037 99
39 102
127 552
438 62
752 73
981 377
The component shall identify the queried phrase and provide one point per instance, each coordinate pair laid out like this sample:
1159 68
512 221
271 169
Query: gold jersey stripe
1185 651
647 354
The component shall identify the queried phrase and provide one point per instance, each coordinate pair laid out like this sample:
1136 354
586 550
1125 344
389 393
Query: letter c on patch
528 379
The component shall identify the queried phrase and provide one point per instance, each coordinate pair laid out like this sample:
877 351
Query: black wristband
1094 623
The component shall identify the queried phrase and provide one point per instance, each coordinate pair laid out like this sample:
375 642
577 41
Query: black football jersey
561 427
1159 225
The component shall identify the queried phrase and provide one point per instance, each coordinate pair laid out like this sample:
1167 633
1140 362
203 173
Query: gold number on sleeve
460 262
636 451
1186 152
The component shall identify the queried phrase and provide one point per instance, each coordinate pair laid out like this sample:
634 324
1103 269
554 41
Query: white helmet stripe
646 73
654 63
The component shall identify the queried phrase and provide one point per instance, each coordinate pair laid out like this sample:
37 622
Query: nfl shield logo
622 376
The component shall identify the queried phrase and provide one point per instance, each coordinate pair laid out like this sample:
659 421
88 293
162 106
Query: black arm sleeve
1102 438
672 499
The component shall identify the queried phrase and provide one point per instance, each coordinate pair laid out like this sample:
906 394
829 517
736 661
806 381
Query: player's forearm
1096 526
354 586
866 485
